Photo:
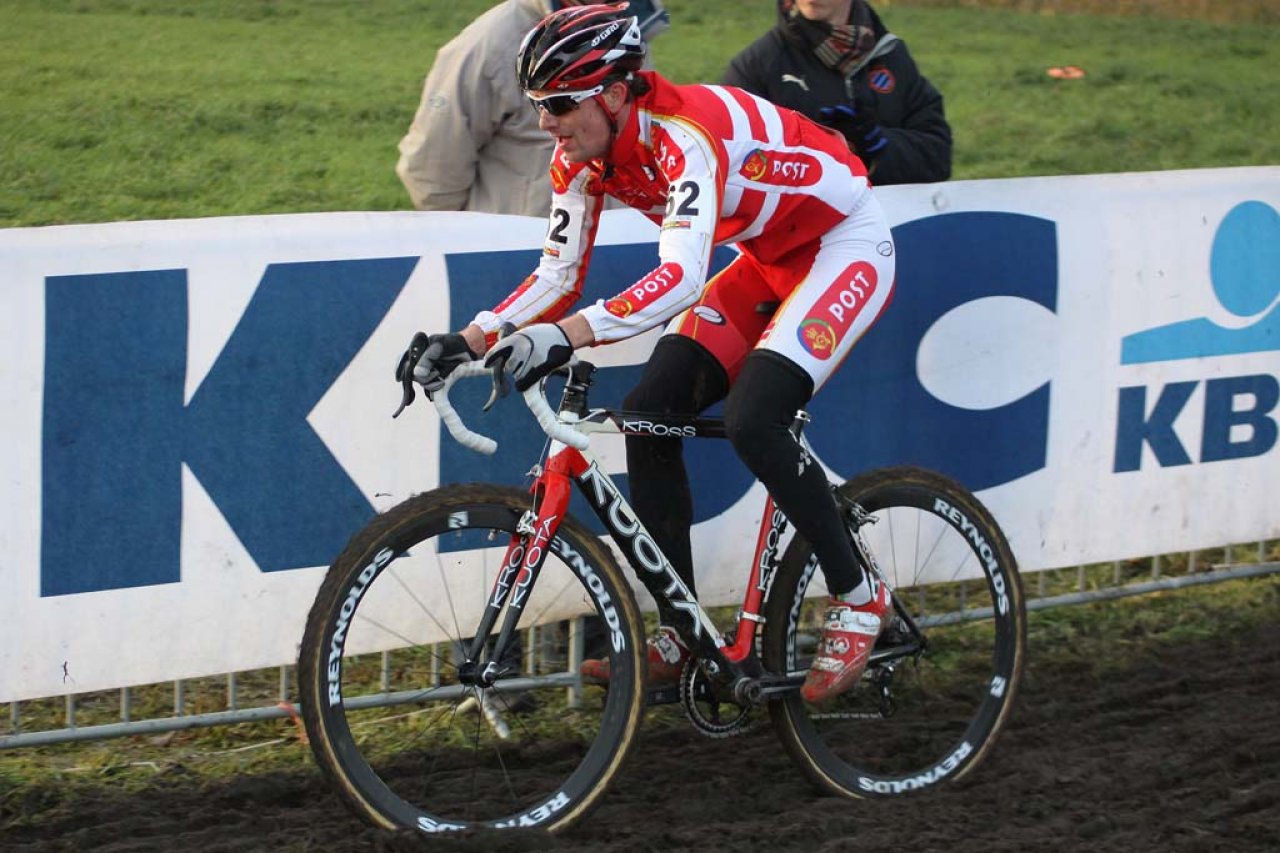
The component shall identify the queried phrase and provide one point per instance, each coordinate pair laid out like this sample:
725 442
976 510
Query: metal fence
268 691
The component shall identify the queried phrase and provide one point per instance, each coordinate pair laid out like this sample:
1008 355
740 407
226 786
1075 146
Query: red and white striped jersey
710 165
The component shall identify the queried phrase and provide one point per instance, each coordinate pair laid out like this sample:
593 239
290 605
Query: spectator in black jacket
835 62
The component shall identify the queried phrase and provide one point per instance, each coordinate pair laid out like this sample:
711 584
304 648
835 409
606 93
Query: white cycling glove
531 353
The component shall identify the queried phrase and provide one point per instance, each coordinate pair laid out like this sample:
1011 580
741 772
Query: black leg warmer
682 377
758 416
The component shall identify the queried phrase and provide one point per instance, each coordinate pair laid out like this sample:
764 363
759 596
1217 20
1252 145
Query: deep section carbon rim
922 714
403 738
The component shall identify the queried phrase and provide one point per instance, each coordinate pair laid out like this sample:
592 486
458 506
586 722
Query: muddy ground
1178 750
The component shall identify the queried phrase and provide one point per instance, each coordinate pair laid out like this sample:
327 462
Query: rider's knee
763 403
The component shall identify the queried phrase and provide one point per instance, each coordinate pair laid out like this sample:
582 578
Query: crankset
709 705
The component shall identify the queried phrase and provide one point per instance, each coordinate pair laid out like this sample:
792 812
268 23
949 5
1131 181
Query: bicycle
485 744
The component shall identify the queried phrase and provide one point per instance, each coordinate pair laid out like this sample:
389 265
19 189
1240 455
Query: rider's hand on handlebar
442 354
531 353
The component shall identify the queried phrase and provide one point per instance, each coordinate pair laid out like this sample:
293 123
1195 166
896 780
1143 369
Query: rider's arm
552 289
576 329
690 162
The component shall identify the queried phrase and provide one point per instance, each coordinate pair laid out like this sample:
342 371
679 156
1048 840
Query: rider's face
583 134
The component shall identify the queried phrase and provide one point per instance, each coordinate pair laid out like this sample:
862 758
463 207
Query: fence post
577 651
531 650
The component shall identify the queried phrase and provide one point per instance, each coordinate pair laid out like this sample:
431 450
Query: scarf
840 47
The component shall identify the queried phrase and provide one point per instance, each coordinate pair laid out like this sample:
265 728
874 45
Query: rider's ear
615 95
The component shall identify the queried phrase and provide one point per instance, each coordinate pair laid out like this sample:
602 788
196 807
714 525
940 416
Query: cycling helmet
580 48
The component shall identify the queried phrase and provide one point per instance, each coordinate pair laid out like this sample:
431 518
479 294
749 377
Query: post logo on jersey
781 168
833 313
756 166
670 157
561 169
818 338
648 289
559 180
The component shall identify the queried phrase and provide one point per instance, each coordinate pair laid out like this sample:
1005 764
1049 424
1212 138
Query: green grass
144 109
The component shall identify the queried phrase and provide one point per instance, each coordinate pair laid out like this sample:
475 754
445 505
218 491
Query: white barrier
197 411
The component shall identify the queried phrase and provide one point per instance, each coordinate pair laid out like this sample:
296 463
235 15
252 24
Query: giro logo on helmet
608 31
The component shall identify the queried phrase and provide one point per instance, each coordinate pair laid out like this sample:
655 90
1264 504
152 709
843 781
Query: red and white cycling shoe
667 656
849 634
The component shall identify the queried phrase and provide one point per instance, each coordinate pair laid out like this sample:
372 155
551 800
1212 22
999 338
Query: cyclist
711 165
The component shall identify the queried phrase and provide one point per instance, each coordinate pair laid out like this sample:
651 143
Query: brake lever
404 371
501 384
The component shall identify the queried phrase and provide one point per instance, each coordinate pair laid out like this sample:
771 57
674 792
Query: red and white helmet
581 48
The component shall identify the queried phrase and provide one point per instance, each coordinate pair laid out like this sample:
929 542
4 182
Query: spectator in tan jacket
475 143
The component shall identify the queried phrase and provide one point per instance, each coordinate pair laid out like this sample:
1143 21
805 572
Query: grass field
145 109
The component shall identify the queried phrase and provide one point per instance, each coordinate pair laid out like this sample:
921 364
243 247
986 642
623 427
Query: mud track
1178 750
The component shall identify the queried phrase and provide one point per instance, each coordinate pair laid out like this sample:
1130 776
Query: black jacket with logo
781 68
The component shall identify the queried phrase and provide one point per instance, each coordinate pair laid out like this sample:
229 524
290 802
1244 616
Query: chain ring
694 681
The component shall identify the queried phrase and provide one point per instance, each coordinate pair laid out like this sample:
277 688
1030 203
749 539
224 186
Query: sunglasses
562 102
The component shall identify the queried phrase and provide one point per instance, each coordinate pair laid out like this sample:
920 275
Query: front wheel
943 675
405 736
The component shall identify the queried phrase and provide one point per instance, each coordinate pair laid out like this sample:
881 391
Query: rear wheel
404 739
943 676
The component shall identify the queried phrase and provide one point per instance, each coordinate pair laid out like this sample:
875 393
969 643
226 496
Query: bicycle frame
566 466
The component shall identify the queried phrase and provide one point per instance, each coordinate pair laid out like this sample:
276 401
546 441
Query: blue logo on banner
1244 268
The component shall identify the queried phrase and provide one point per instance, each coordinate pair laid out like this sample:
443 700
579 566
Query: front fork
526 553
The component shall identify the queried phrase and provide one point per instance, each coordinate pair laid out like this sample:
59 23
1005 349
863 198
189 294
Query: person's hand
440 356
531 353
858 125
